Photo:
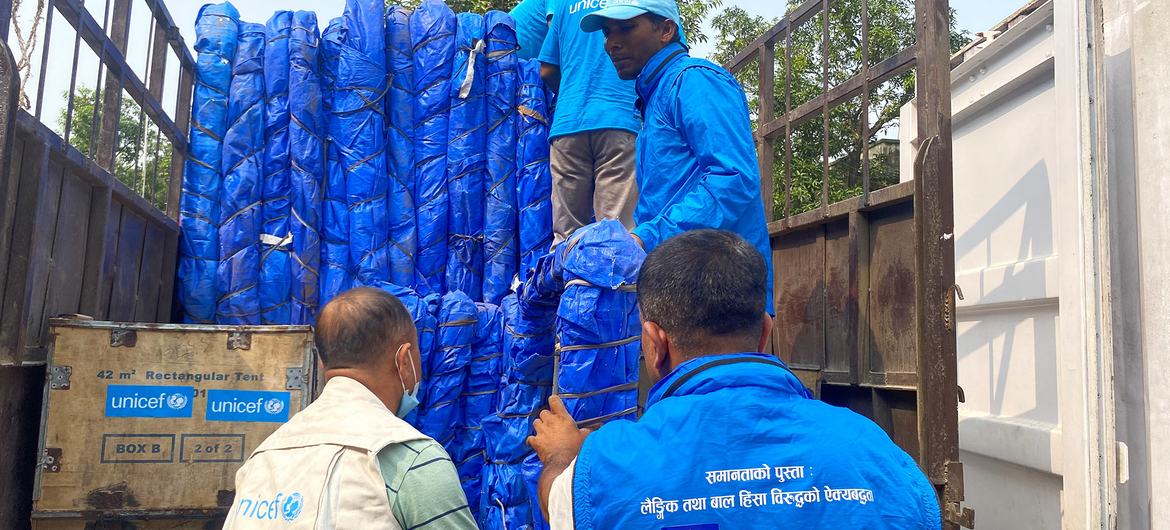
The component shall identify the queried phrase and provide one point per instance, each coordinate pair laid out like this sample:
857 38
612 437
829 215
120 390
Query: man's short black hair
658 20
704 284
356 328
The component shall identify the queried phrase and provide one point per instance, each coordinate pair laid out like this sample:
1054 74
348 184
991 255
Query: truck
868 305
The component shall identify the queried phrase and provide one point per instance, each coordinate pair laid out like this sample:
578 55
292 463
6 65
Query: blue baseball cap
627 9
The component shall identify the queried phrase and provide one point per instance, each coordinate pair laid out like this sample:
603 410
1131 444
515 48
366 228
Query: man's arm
550 54
551 74
719 134
557 442
430 496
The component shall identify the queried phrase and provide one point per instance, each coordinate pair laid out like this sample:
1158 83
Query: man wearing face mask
730 438
348 460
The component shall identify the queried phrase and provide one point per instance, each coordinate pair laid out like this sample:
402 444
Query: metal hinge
127 338
953 511
59 377
955 514
295 379
51 460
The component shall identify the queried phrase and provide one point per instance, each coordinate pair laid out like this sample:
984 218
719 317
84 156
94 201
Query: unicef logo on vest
266 508
148 401
247 405
291 509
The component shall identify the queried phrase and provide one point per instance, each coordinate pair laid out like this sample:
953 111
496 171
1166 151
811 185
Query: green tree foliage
891 29
693 11
142 157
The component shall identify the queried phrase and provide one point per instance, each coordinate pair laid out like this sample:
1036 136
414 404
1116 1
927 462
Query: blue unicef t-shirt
592 96
531 18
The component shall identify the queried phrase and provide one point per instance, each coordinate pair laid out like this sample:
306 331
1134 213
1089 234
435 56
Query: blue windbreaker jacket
696 163
736 442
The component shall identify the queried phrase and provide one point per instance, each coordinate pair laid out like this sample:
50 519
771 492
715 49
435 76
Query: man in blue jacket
730 438
696 159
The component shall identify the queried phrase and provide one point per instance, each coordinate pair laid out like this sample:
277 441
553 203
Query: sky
973 16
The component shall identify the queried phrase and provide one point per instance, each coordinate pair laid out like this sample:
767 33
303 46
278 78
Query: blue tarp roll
447 368
528 343
506 487
597 323
500 255
243 160
533 179
427 324
432 35
275 262
399 143
216 32
335 266
358 107
467 159
306 128
479 399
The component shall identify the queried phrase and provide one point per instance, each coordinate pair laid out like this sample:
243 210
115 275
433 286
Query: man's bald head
361 328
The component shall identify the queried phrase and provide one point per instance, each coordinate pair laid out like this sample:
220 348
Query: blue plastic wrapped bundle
432 35
533 179
506 486
275 240
399 142
238 274
447 368
426 321
306 128
335 266
500 255
360 136
597 323
467 159
216 32
479 398
528 343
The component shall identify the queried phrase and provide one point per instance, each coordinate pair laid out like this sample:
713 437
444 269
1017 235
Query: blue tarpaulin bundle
426 321
360 138
528 343
597 323
508 488
216 32
306 128
447 368
243 146
275 241
479 399
467 159
399 143
500 255
533 179
335 268
432 34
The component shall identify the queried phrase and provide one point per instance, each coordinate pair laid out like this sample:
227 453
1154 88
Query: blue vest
735 442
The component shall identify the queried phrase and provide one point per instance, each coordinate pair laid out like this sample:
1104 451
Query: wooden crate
147 422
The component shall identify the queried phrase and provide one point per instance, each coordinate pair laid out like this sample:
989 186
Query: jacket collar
707 374
652 73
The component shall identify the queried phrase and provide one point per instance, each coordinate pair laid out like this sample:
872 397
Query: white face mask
409 399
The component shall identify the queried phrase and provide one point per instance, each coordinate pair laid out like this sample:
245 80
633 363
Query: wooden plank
100 242
33 176
37 288
149 275
9 188
764 147
794 19
800 335
178 155
76 421
67 270
165 311
841 298
891 303
127 263
111 111
158 62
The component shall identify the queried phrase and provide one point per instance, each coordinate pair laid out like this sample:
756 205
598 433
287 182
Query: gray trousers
593 179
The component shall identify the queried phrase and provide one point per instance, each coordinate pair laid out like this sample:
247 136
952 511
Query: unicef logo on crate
247 405
266 508
148 401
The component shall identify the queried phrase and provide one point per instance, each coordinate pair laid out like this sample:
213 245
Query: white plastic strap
276 241
465 87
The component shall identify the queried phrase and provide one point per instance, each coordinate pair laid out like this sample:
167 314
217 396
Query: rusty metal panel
891 302
800 332
841 301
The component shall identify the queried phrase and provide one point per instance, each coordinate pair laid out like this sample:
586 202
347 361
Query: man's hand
557 440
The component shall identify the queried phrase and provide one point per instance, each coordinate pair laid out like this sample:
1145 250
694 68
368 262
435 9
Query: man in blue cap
696 158
730 438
